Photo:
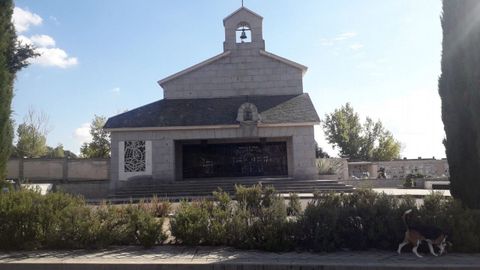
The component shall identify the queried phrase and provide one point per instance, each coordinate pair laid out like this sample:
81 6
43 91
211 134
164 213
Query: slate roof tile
215 111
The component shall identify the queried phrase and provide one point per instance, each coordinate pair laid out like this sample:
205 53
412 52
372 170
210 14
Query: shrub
316 229
65 221
258 219
143 226
158 207
19 224
190 223
294 207
203 222
29 220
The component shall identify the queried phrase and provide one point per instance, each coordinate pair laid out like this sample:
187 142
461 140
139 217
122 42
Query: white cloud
54 57
43 40
344 36
338 38
116 90
82 134
23 19
50 56
356 46
24 40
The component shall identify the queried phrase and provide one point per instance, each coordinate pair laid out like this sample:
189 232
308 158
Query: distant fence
58 169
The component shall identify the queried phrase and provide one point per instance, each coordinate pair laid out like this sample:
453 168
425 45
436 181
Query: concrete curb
215 258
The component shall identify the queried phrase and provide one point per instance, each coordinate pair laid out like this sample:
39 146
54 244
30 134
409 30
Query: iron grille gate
234 160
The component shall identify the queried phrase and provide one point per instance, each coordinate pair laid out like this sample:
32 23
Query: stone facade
165 163
244 69
242 72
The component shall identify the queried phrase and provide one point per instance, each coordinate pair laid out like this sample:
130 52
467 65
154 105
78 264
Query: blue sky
104 57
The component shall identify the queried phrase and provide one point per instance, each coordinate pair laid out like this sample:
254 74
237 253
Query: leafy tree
369 141
32 135
55 152
460 94
387 148
13 57
319 153
59 152
99 147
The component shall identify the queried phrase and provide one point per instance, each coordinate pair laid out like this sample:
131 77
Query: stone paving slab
212 258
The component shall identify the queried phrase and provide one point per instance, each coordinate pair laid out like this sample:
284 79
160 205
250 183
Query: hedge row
259 218
29 220
255 218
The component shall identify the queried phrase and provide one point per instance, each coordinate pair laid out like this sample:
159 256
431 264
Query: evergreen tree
13 57
459 89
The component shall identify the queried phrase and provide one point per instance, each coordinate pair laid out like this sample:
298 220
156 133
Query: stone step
206 194
233 183
205 187
225 186
231 191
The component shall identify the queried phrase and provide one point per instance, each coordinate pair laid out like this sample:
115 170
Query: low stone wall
87 189
87 177
398 169
381 183
58 169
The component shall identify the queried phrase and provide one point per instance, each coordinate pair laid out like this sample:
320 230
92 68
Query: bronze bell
243 35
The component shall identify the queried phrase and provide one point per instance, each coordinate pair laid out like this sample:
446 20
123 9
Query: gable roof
226 53
194 67
238 10
282 109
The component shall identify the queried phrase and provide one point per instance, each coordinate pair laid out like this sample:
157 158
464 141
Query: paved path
178 257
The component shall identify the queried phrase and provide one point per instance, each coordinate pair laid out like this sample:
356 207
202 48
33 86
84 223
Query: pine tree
13 57
459 89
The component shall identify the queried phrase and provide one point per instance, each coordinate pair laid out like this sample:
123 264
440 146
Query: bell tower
243 29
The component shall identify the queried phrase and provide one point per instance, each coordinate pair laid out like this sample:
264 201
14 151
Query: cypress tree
13 57
7 37
459 89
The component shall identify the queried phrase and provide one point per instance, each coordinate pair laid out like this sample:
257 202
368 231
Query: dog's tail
404 217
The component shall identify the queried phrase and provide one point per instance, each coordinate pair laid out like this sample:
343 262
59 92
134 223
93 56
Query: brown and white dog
430 234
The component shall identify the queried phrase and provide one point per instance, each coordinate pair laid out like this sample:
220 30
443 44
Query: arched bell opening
243 33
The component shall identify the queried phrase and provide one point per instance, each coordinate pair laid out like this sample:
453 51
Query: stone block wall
58 169
88 169
242 72
43 169
300 148
399 169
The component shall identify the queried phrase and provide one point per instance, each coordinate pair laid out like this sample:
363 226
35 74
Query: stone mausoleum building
241 113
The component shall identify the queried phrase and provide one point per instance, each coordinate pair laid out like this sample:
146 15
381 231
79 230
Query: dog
416 235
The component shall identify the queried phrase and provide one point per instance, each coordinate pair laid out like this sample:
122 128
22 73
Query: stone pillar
65 170
20 168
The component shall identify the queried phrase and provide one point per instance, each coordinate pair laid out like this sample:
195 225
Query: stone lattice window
135 156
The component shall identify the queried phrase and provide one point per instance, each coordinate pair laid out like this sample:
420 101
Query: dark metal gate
234 160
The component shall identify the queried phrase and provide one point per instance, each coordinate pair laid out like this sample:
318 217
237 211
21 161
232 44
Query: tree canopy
32 135
369 141
99 147
13 57
459 89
